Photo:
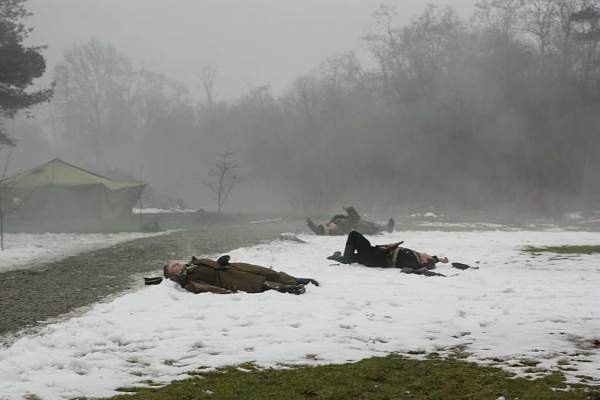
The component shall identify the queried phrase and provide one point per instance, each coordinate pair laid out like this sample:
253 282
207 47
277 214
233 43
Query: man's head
171 270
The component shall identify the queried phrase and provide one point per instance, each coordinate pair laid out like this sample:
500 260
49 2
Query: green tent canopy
58 190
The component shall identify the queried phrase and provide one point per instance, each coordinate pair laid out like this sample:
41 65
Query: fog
252 43
487 108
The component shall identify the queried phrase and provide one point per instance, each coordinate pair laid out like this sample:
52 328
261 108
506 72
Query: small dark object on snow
153 281
421 271
460 266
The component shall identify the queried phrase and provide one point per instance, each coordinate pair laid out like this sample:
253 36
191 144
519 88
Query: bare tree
95 94
223 177
541 17
501 15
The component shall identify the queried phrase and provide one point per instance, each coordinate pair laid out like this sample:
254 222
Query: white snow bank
516 306
266 221
24 249
161 211
465 225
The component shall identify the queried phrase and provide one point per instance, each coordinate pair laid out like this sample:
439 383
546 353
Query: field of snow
23 249
516 306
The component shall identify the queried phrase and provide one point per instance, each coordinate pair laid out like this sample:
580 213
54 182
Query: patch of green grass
529 362
564 249
392 377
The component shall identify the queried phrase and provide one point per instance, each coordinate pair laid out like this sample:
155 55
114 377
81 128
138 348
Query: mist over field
471 107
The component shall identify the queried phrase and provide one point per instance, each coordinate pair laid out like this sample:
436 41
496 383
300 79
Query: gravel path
31 296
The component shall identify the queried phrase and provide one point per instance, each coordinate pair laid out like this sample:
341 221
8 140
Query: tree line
496 111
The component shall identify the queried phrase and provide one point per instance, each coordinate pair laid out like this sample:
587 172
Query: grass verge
392 377
565 249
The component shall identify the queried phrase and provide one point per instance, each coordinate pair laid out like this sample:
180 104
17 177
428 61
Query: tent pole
140 208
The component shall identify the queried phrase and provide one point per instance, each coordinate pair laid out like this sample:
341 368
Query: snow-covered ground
24 249
515 307
161 211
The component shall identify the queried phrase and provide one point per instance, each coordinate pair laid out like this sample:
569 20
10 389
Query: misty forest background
492 113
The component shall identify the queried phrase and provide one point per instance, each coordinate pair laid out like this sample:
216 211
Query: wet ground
31 296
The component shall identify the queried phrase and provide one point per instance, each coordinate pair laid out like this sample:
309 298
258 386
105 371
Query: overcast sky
251 42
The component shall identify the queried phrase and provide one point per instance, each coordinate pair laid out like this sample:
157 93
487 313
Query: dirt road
31 296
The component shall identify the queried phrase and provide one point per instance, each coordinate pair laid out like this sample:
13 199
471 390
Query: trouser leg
360 250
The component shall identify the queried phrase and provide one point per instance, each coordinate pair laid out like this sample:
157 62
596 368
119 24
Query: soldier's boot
306 281
336 256
347 258
317 229
390 225
293 289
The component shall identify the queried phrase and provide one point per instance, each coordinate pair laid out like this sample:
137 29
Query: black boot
306 281
294 289
337 256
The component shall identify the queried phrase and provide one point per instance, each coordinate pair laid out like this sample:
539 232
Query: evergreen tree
19 65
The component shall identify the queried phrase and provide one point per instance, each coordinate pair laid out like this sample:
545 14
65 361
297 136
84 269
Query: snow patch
23 250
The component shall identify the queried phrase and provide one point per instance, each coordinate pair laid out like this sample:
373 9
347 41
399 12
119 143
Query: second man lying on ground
344 224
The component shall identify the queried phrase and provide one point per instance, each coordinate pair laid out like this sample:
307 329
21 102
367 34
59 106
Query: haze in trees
496 112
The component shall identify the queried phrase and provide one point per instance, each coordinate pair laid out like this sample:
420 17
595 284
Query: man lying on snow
344 224
204 275
358 249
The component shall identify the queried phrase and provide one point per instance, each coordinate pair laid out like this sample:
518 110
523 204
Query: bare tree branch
224 178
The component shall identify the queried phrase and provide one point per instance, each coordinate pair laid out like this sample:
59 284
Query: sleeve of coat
199 287
352 214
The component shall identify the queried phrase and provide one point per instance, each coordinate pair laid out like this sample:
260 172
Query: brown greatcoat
205 275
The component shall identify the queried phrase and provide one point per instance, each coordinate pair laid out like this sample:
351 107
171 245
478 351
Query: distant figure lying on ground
344 224
358 249
204 275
